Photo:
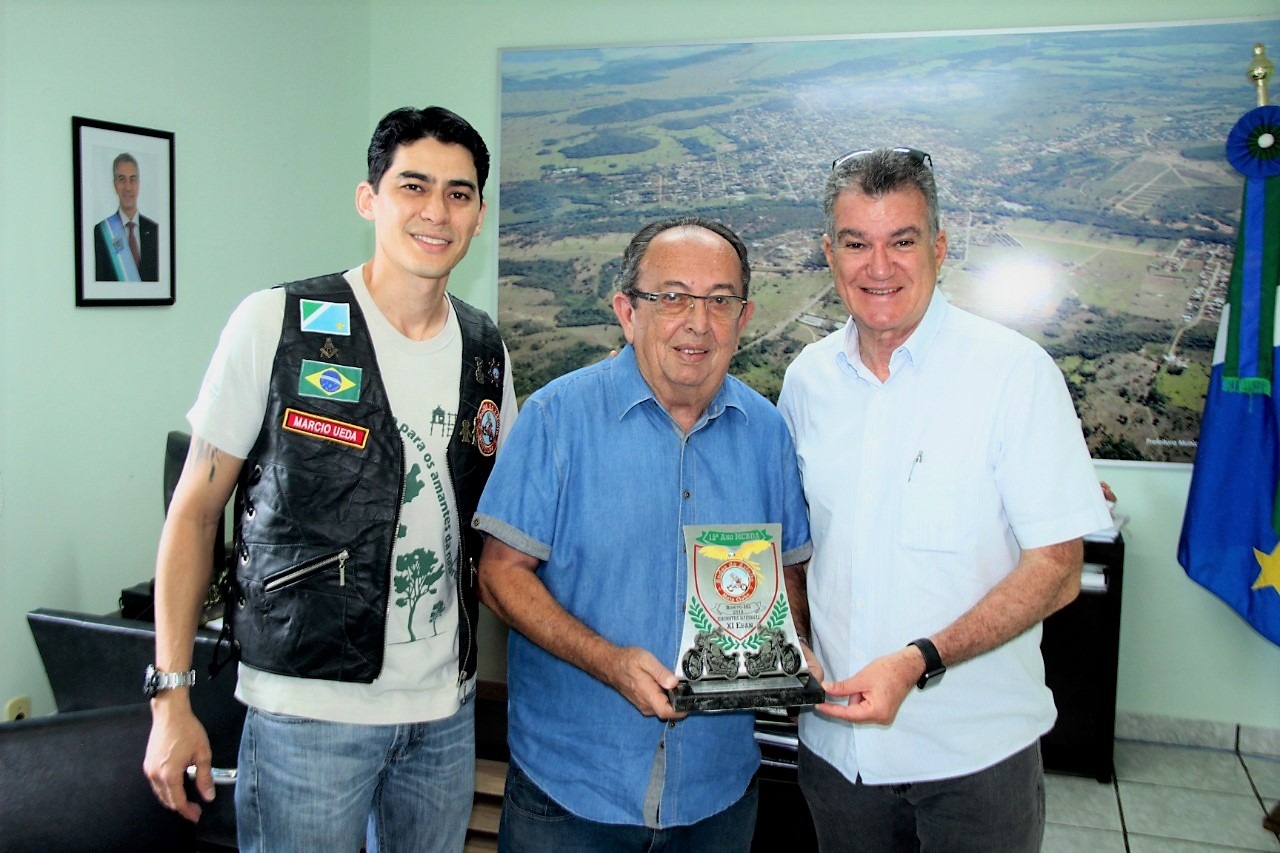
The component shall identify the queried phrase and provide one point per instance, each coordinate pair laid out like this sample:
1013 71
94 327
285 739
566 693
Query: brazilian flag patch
329 381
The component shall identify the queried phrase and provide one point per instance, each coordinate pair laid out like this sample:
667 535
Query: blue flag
1230 540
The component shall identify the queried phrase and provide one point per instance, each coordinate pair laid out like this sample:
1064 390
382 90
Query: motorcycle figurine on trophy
708 659
774 654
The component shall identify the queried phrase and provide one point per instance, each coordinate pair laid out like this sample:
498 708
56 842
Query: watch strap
933 666
158 681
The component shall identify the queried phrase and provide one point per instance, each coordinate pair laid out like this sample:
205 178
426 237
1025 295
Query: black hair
409 124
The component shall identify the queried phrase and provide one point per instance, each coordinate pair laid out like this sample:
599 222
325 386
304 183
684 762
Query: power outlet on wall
17 708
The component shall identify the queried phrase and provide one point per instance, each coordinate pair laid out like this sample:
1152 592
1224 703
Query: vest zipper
463 565
462 609
306 570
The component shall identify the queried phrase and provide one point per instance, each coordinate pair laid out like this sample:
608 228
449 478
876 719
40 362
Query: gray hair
125 157
639 246
881 171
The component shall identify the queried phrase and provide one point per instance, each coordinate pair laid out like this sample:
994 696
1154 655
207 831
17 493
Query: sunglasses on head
916 155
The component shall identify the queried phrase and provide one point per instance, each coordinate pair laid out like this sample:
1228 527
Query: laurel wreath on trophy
702 622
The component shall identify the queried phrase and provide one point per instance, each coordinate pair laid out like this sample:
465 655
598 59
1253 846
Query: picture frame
123 184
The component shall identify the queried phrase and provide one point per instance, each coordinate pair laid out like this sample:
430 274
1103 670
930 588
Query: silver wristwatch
157 681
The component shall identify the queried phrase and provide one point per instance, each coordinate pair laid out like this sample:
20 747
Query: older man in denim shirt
586 561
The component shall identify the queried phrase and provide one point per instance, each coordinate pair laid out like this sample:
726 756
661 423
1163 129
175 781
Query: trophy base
775 691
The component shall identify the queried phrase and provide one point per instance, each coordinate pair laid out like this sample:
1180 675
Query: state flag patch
328 318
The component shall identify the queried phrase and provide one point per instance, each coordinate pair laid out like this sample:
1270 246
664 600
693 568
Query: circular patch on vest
488 420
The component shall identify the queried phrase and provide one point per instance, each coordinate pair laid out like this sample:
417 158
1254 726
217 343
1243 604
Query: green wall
272 104
268 103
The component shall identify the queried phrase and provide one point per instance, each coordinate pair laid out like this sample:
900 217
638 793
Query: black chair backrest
98 661
74 782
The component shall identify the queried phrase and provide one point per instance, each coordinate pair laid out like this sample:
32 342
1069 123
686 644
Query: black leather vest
318 501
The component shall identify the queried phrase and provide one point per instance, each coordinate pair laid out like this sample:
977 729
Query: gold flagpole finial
1259 70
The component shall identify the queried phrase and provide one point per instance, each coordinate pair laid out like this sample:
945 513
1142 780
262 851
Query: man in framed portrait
126 243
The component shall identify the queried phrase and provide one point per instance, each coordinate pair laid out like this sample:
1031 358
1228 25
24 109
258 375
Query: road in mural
1082 176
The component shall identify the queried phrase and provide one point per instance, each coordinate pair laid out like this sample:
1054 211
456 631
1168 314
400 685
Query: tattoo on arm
204 450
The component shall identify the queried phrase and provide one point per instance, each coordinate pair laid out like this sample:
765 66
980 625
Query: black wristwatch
933 667
156 681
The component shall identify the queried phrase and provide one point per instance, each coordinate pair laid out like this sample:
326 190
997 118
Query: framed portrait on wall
124 190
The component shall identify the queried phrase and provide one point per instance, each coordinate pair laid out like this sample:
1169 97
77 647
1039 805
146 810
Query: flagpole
1259 70
1258 73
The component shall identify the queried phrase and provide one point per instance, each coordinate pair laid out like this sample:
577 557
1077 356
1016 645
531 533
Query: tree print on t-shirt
416 575
418 572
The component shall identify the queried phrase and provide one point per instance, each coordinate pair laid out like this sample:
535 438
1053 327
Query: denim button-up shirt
596 480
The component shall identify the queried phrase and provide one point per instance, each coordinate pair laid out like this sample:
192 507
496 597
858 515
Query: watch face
150 681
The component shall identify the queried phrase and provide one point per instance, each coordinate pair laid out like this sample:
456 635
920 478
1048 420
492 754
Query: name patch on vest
329 318
318 426
329 381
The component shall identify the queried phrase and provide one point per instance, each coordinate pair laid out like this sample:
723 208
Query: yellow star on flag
1270 574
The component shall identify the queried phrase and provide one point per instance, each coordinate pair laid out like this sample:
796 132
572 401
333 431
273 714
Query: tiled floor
1165 799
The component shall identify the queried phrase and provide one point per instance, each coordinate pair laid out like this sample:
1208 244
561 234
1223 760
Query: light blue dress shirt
923 490
596 480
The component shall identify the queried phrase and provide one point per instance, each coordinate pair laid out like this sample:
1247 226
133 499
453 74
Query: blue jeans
532 822
996 810
314 785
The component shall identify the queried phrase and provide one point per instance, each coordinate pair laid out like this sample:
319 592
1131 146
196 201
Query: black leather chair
74 782
95 663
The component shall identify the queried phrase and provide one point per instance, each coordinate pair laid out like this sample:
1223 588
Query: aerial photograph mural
1082 182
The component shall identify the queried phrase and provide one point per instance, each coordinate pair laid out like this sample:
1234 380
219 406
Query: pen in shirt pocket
914 462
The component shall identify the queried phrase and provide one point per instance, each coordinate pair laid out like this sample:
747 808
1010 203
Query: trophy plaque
739 648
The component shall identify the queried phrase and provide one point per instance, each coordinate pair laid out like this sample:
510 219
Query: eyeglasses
721 306
916 155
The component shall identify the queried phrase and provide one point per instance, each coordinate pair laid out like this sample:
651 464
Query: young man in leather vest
357 416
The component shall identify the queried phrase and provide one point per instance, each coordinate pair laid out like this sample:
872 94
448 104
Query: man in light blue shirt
948 485
585 560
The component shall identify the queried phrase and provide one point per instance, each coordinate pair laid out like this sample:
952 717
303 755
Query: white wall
272 104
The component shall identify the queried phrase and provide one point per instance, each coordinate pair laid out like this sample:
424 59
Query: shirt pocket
932 518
